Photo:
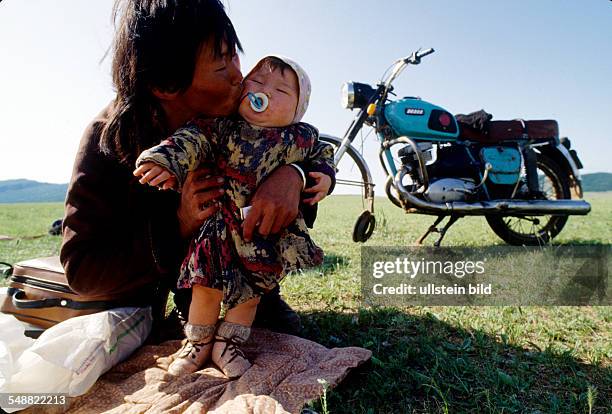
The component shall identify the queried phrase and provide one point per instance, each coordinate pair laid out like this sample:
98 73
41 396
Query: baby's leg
199 330
231 334
205 305
243 314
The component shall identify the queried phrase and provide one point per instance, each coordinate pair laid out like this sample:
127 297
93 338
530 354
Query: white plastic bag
12 344
69 357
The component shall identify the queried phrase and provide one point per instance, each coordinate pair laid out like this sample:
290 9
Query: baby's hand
155 175
320 189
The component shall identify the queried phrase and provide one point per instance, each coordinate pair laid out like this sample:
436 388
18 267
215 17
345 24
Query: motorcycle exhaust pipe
503 207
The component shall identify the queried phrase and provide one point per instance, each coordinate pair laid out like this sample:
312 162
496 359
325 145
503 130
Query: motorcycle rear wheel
536 230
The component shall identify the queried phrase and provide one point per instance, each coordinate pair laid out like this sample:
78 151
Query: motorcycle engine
450 189
452 176
408 156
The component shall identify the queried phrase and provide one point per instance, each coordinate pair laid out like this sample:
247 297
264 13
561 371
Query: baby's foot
226 352
196 350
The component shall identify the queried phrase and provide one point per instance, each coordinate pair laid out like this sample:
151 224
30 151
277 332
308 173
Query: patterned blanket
285 375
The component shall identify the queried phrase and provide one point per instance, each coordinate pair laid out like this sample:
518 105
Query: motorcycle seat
518 129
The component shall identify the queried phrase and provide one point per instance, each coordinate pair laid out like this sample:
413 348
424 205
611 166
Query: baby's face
282 90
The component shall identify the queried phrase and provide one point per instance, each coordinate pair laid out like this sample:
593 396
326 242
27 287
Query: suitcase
38 293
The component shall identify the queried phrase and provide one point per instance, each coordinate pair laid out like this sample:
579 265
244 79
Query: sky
525 59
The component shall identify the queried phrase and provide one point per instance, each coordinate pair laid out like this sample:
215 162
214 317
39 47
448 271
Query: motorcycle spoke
350 172
521 226
537 226
351 182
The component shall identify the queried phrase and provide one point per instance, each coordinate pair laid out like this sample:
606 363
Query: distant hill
28 191
597 182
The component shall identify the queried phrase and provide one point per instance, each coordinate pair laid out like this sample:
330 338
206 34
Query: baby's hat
303 85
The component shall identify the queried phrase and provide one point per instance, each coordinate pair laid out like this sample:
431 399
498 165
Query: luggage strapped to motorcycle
518 129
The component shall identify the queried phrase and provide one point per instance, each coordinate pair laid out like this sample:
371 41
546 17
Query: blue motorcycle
518 174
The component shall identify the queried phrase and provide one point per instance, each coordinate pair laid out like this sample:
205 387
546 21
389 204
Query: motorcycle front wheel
352 173
536 230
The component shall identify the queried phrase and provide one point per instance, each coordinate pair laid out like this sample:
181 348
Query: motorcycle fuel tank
416 118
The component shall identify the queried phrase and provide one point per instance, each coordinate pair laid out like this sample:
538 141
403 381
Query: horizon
55 78
23 190
68 182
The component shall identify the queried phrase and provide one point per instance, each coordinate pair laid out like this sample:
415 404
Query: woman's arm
276 202
321 161
120 236
199 191
320 157
105 249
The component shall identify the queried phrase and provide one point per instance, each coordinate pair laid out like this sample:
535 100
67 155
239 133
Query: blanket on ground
285 375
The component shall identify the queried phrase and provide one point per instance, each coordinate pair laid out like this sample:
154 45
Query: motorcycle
518 174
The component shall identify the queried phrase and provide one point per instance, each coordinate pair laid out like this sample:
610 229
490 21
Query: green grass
425 359
28 224
454 359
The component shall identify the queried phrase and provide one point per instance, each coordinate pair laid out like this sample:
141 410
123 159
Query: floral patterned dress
219 257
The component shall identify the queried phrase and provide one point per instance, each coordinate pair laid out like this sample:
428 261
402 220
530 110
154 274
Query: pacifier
259 101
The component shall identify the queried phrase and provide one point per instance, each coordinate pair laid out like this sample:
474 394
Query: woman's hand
275 203
198 196
320 189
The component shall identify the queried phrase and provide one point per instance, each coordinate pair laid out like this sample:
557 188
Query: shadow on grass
581 242
423 365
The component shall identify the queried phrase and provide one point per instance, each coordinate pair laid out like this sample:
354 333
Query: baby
221 266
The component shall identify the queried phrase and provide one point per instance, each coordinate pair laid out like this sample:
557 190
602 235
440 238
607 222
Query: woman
173 60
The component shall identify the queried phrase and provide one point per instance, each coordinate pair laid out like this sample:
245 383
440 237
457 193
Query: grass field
425 359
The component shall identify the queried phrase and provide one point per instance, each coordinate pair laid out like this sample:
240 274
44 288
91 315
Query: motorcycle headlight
347 95
356 95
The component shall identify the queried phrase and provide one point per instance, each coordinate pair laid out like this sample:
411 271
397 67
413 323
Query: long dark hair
156 46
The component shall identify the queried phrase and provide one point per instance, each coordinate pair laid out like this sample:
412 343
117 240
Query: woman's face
216 85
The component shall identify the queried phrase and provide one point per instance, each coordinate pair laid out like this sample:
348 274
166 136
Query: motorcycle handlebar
415 58
400 65
424 53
